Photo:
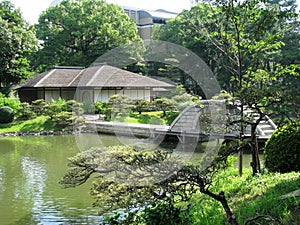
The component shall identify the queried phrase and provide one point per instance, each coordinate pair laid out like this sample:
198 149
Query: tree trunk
255 164
222 199
240 157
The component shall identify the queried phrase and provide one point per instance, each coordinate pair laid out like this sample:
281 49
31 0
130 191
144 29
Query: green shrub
73 106
164 105
6 114
165 213
25 111
141 105
13 103
282 150
118 107
63 120
66 120
39 107
184 100
162 213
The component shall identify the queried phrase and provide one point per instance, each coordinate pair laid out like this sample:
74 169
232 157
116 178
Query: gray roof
159 13
94 76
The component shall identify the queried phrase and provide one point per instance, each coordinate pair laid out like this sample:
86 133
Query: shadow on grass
9 125
39 125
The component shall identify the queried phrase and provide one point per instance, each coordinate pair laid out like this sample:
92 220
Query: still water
30 170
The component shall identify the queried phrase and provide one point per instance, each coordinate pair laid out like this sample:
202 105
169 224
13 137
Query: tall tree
17 42
241 41
77 32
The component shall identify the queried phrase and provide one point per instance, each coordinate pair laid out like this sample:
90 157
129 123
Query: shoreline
41 133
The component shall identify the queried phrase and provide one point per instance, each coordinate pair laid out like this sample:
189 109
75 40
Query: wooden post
240 163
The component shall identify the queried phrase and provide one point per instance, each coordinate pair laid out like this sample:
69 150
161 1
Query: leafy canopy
76 33
17 42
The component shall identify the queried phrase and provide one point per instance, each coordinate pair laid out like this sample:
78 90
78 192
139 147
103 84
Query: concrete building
145 19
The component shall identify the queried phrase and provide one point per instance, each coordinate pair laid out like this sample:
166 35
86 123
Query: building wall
53 93
145 32
145 21
28 95
104 94
82 95
67 93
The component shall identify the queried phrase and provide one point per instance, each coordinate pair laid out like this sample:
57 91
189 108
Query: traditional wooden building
92 84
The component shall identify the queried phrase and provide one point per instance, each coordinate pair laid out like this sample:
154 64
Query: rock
291 194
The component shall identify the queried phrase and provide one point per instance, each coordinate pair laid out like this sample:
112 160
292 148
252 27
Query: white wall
104 95
96 95
52 94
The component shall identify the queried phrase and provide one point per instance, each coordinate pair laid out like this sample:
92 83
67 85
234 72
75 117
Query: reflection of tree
22 177
29 192
35 175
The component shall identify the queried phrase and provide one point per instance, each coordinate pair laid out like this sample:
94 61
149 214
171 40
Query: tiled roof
94 76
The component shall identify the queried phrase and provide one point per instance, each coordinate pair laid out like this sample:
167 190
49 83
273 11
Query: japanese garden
115 115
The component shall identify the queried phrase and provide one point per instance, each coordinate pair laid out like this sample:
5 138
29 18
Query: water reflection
35 175
2 185
30 169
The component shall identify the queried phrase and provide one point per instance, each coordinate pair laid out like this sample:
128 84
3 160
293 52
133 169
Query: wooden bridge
210 118
204 121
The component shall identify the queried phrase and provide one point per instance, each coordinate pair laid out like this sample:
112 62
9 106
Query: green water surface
30 170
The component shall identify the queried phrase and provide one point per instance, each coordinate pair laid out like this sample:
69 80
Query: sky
31 9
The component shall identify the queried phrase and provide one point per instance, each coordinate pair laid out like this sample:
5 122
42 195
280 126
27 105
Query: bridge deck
201 121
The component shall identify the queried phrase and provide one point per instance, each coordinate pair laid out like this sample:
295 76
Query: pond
30 170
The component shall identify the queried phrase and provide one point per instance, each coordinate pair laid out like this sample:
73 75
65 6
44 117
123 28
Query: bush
141 105
6 114
100 107
165 213
63 120
73 106
184 100
13 103
25 111
39 107
162 213
118 107
282 150
66 120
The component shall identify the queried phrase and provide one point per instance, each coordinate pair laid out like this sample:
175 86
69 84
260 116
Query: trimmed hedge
282 150
6 114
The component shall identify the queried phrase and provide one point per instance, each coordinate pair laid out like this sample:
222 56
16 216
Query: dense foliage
42 115
241 42
18 42
12 102
6 114
282 150
234 38
122 179
76 33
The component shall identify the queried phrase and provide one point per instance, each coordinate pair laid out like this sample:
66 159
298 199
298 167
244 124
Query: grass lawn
38 124
151 118
42 123
249 196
